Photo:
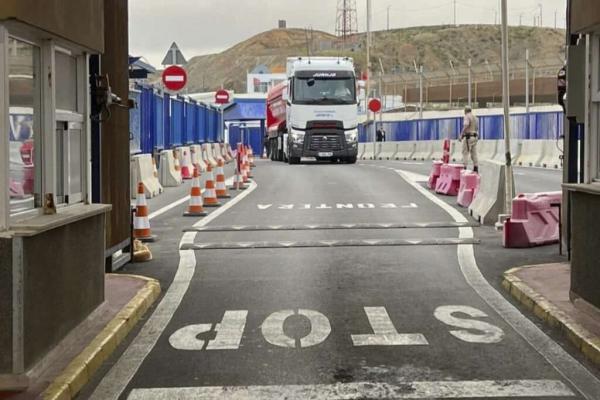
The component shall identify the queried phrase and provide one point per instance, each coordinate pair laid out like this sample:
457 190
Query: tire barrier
168 174
489 201
388 150
207 155
449 180
197 161
423 150
535 220
185 161
469 186
142 171
434 175
405 150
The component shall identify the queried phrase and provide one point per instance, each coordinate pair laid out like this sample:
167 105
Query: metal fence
160 121
537 125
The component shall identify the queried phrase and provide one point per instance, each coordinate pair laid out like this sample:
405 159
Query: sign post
374 107
222 97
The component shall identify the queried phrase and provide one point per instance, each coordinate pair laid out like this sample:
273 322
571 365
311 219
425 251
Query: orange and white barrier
197 161
250 153
195 207
142 171
210 194
141 222
186 162
168 174
221 187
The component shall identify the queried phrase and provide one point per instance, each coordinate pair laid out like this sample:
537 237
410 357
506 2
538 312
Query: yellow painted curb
82 368
585 341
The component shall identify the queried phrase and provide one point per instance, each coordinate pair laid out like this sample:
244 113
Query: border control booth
245 122
52 236
582 150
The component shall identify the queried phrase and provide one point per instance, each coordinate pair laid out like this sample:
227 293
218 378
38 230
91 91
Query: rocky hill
434 47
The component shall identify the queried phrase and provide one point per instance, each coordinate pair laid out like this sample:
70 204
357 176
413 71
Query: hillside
398 49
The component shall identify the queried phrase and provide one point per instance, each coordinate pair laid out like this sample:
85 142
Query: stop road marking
229 332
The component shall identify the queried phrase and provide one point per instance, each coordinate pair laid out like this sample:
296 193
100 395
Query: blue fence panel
135 115
235 135
255 139
159 121
190 122
147 120
215 132
177 122
167 121
491 127
210 125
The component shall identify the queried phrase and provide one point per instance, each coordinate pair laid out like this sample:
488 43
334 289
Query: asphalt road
316 295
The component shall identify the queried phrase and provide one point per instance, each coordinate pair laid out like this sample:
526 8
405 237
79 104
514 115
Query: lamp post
506 105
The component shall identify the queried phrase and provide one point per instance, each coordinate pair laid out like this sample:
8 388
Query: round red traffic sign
374 105
222 96
174 78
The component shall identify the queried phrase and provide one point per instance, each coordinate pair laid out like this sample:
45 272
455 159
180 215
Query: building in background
263 78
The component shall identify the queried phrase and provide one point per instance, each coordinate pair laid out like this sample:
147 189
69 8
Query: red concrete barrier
436 169
469 186
449 180
535 220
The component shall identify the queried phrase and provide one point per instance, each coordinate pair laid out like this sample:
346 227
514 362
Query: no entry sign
174 78
374 105
222 96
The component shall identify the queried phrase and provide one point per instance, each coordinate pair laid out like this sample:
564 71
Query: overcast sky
208 26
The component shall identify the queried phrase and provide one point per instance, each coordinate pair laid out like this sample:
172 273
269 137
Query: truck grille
325 143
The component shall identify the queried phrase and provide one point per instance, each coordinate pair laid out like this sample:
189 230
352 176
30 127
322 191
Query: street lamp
506 104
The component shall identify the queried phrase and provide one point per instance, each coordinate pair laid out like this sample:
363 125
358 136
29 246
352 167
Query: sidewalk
71 364
544 289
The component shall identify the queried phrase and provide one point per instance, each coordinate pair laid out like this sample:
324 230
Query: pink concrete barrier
469 186
436 169
535 220
449 179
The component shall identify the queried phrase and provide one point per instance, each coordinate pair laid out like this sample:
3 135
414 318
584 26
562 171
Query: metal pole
470 85
506 103
455 13
533 89
527 81
388 17
421 92
381 97
368 85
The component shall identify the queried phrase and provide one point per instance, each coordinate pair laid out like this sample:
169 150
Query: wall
61 289
5 305
585 15
115 188
585 268
84 25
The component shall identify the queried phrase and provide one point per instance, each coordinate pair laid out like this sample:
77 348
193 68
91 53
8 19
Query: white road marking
364 390
582 379
115 381
229 333
365 205
286 207
264 206
272 328
338 206
489 333
384 332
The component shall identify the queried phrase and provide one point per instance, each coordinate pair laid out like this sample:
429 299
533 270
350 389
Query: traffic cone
248 167
251 157
185 168
141 223
238 182
210 194
176 157
221 187
195 208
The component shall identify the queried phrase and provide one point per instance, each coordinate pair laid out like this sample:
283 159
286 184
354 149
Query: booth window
24 123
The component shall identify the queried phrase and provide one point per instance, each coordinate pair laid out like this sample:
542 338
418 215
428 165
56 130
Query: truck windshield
326 91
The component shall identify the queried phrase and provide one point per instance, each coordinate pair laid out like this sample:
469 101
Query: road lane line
364 390
349 226
115 381
582 379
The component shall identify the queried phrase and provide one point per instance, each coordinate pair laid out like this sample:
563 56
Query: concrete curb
81 369
585 341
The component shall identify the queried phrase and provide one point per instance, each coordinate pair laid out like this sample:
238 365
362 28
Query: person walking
469 137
